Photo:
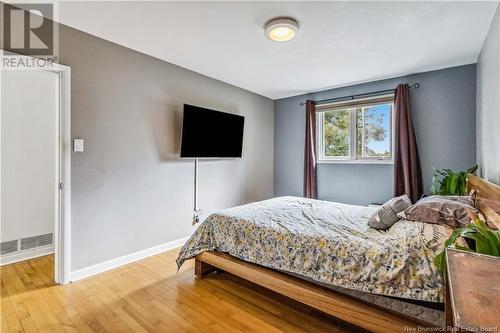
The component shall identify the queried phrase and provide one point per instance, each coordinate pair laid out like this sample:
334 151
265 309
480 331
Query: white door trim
62 235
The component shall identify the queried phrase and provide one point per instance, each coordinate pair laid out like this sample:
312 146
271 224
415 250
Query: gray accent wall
130 190
443 112
488 104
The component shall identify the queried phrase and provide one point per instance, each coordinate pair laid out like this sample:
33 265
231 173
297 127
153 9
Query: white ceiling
339 43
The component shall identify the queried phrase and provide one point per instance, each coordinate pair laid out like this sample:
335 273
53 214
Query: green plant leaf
487 241
449 182
473 169
453 184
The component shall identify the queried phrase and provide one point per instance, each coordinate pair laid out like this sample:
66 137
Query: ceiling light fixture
282 29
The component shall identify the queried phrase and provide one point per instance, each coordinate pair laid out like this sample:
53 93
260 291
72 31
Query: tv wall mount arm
197 212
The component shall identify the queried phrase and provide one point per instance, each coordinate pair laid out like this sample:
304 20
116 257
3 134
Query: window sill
383 162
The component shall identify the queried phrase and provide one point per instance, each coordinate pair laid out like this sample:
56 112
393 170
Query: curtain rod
416 85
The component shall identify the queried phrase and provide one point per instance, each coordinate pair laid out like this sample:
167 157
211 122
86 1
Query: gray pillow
386 216
439 209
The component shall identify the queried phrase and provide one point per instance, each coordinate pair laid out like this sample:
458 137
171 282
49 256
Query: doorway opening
35 163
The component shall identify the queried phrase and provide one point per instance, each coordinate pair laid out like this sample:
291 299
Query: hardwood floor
148 296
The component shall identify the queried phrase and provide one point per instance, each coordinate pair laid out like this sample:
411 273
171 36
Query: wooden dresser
472 292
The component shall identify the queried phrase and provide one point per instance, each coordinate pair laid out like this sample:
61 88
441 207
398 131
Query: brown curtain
407 173
310 152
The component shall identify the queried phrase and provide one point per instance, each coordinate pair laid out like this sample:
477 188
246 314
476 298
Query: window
355 131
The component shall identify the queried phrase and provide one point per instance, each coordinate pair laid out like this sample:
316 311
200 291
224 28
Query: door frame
62 230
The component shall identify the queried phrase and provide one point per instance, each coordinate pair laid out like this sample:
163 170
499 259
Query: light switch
78 145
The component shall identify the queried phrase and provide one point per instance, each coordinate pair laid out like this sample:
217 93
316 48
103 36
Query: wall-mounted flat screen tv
211 134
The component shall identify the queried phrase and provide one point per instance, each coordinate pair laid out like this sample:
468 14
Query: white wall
28 153
488 104
130 190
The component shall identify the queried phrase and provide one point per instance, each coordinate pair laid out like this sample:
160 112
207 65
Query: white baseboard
25 255
126 259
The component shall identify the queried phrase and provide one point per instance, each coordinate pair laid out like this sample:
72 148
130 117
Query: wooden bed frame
352 310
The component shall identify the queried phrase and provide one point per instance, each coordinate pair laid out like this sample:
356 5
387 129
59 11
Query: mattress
329 243
428 314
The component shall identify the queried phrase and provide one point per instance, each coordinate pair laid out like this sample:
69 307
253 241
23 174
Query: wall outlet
78 145
196 216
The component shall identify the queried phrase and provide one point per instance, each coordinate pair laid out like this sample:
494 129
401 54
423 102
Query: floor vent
8 247
45 240
27 243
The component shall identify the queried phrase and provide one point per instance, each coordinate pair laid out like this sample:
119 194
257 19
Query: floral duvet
330 243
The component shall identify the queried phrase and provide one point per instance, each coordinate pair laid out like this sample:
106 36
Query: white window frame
352 105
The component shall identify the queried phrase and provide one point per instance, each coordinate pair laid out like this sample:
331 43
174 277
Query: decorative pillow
491 211
437 209
386 216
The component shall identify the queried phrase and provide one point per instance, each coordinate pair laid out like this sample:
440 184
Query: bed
324 255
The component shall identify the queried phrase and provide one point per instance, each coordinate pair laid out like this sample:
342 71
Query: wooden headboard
483 188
